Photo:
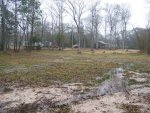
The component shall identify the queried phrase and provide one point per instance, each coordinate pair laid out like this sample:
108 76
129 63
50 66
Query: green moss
103 78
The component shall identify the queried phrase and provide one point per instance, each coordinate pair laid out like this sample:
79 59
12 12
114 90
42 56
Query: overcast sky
139 10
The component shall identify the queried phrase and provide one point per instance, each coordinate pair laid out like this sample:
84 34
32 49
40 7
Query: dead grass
7 90
55 67
147 98
131 108
42 106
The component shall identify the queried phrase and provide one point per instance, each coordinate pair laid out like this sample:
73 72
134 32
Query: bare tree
16 26
112 12
148 31
53 23
23 23
95 22
125 16
60 14
57 11
76 8
43 22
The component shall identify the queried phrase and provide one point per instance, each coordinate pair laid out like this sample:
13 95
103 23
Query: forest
67 24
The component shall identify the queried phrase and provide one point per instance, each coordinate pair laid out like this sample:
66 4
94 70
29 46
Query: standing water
115 84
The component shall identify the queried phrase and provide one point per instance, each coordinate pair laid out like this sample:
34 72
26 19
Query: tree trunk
16 26
92 35
105 30
32 26
110 45
148 44
21 40
79 38
3 40
96 35
72 37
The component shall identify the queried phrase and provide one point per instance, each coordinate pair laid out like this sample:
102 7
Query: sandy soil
27 95
80 100
113 102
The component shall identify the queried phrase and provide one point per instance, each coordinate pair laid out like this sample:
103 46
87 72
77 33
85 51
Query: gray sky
139 10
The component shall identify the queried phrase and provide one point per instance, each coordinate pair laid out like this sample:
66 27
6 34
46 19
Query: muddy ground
123 92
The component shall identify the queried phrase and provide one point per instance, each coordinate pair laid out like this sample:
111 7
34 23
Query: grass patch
133 82
57 67
81 72
103 78
142 68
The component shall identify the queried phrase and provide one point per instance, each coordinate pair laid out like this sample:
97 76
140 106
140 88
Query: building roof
102 42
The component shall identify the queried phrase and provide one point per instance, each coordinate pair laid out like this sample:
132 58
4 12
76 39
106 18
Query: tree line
65 23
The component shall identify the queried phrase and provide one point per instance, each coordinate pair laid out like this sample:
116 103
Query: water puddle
115 83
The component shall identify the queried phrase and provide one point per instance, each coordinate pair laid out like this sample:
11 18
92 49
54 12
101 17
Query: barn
102 45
